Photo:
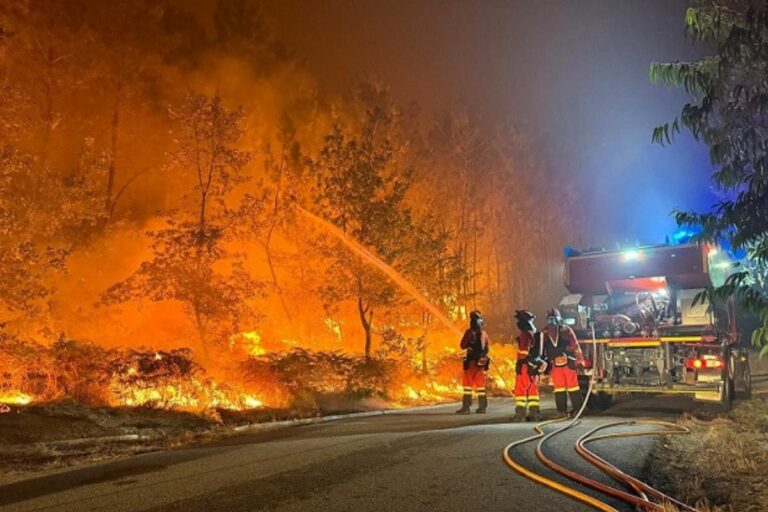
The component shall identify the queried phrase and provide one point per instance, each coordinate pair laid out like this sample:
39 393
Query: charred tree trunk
204 187
492 292
424 344
201 331
300 258
366 319
268 242
502 297
112 167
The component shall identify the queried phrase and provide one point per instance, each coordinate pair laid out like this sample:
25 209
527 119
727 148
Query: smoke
573 74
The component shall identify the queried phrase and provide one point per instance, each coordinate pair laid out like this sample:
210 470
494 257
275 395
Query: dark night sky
573 73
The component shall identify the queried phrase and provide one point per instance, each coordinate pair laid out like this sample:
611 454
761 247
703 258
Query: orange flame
15 398
250 341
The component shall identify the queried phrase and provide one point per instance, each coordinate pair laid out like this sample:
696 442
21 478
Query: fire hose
642 489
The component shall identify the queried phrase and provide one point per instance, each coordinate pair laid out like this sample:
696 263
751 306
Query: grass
722 465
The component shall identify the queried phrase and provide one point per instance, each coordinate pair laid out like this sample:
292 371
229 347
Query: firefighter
563 356
476 342
527 368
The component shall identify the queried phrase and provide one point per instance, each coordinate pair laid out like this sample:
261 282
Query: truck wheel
726 388
747 377
726 394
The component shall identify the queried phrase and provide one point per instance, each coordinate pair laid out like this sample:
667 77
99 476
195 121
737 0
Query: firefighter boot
482 402
465 405
519 414
534 414
576 400
561 403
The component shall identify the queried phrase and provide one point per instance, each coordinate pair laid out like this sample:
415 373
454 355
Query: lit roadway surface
429 459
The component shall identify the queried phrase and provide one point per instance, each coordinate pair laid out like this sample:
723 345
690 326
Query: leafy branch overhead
728 111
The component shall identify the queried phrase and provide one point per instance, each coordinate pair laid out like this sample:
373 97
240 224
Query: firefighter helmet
476 319
554 317
525 320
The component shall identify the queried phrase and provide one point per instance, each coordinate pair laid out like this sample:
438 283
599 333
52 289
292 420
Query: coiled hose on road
643 490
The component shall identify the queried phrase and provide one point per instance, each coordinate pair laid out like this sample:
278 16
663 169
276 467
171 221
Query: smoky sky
573 73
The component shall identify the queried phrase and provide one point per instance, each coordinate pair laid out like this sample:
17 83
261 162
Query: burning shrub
91 375
156 379
371 377
170 380
318 372
88 374
81 371
67 369
420 378
446 370
260 377
305 377
23 370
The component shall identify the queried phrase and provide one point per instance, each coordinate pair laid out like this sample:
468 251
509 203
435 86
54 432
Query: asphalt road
406 461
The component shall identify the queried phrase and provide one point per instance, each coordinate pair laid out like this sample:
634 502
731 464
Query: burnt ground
39 437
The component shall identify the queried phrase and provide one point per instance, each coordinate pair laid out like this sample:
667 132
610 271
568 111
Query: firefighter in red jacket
476 342
527 368
563 355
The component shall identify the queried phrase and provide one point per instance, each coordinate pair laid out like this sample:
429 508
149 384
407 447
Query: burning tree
83 135
360 187
497 186
192 263
42 212
428 262
458 139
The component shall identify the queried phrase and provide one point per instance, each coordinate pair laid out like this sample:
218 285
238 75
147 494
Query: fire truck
652 333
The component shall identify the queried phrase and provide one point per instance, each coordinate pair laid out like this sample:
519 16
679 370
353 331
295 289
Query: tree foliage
360 186
189 253
728 111
184 218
